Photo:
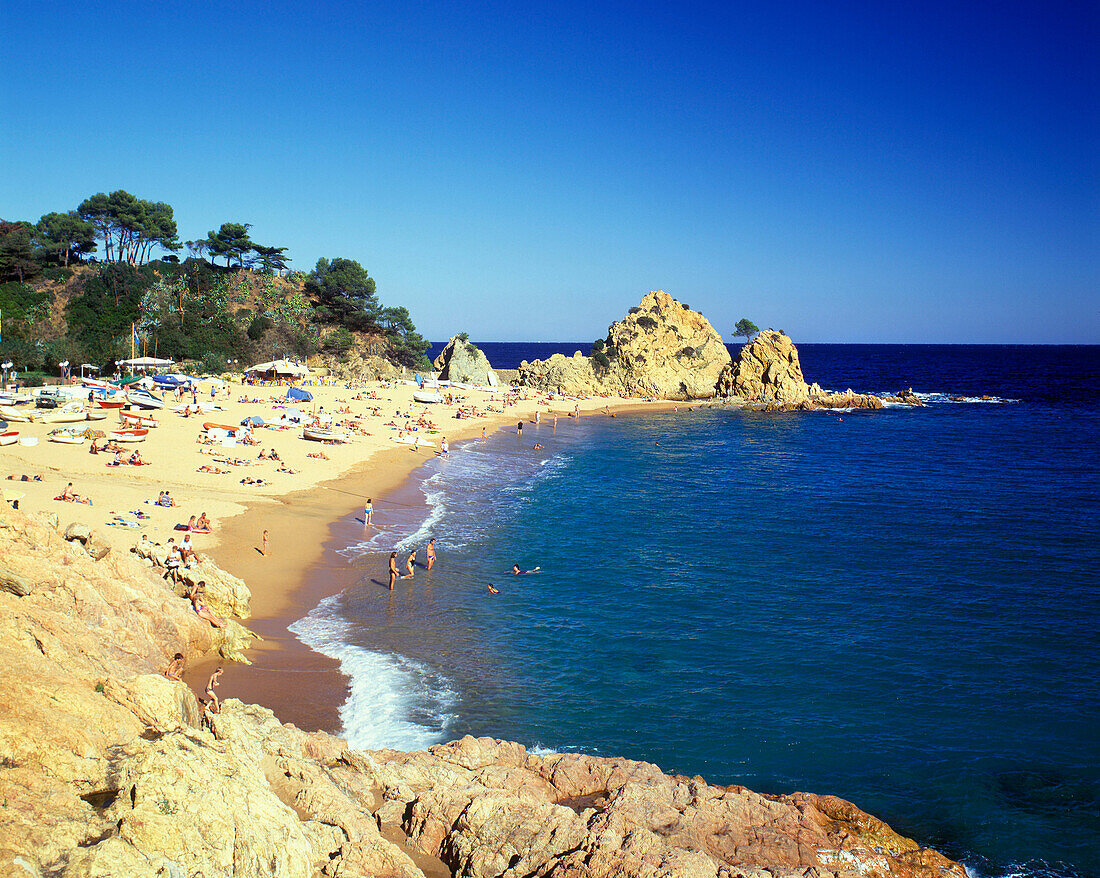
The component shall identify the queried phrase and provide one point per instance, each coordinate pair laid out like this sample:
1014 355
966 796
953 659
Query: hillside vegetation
58 302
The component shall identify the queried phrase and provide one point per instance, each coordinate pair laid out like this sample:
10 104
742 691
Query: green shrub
647 322
57 273
601 359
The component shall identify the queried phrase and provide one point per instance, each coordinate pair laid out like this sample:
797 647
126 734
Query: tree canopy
129 227
746 328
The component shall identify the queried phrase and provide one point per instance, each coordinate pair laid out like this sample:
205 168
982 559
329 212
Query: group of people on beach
410 563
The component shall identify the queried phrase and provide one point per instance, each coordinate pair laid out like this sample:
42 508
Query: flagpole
133 332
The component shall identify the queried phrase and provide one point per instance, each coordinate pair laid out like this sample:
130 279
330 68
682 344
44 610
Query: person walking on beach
519 429
263 551
430 552
393 569
368 511
409 565
213 682
445 449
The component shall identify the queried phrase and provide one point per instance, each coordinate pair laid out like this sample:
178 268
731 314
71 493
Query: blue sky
868 172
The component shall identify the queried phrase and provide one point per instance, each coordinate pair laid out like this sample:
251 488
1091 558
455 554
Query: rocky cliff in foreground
109 769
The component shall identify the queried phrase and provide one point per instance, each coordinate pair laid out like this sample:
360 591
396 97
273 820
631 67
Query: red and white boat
105 403
128 435
9 438
210 425
137 419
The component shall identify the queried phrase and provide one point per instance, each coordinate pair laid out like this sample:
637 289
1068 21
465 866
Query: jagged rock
79 532
906 397
660 349
461 360
155 700
226 594
766 370
14 583
200 802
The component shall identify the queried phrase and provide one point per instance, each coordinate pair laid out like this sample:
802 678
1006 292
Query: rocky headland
463 361
108 768
664 350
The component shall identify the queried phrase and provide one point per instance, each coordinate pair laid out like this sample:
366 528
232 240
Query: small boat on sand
228 428
12 414
144 399
128 435
67 437
421 396
9 438
69 413
105 403
317 434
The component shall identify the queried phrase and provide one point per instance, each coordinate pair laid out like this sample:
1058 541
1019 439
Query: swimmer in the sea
516 571
493 590
409 565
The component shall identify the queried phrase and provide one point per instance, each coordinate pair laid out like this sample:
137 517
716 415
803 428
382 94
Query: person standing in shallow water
368 511
393 569
430 552
409 565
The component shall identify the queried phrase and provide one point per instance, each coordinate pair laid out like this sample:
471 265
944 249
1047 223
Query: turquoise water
897 607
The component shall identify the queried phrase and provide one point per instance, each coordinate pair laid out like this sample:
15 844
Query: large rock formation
661 349
109 770
463 361
767 371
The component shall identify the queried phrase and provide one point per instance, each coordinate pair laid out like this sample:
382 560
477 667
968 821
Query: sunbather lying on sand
24 478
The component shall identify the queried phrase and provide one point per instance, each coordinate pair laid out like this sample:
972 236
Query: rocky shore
110 769
665 350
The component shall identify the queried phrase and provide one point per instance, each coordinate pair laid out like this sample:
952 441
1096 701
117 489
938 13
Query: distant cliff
110 770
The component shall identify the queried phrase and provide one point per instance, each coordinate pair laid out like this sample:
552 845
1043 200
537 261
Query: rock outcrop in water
463 361
110 770
661 349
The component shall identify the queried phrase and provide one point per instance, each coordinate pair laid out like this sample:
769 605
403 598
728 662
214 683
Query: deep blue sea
899 607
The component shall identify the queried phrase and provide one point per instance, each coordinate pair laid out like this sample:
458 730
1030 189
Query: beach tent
252 421
279 368
299 394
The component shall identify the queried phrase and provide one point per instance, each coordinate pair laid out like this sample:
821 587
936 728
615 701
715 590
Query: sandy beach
298 510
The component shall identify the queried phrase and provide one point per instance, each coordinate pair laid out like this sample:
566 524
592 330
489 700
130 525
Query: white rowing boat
67 437
319 435
420 396
10 414
69 413
9 438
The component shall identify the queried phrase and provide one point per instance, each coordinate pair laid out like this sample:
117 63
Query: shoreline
301 685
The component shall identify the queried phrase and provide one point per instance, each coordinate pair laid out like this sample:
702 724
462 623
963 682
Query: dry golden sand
298 511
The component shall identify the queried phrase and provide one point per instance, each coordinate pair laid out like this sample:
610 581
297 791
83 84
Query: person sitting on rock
198 603
174 671
172 563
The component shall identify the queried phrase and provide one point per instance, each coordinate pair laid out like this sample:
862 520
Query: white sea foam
946 399
394 701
